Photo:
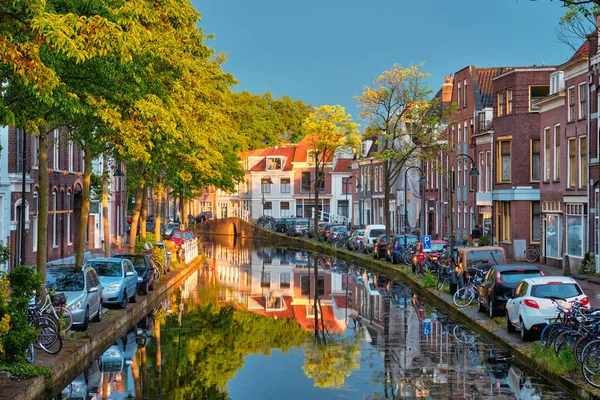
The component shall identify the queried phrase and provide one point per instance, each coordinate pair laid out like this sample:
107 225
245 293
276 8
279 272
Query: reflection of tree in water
204 349
331 358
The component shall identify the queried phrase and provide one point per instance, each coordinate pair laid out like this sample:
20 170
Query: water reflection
278 322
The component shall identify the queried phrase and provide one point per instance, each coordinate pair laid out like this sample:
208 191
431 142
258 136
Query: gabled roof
342 165
302 149
308 323
584 50
483 86
285 151
287 312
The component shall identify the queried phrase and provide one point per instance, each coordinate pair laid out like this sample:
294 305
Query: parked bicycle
48 338
444 271
468 293
54 306
532 253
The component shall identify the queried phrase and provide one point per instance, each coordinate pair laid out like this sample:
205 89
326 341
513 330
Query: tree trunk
158 212
214 210
85 205
186 212
105 219
42 239
386 200
144 213
135 217
316 183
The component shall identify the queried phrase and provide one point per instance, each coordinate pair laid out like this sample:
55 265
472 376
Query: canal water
266 323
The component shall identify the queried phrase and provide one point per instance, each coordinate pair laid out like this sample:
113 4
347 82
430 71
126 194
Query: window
547 154
535 221
465 93
305 285
509 101
274 163
285 209
576 229
284 281
265 279
557 82
54 220
71 156
305 182
488 171
556 176
268 208
500 104
265 185
535 159
553 236
35 151
571 100
34 220
572 173
537 93
347 185
56 148
285 185
503 161
69 239
321 181
381 178
481 122
453 180
503 216
459 94
583 165
465 132
582 100
310 157
459 169
377 179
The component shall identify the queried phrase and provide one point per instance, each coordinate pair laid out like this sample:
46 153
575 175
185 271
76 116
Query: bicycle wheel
566 340
47 319
588 348
407 258
441 282
547 331
591 368
580 345
48 339
157 270
30 354
65 317
462 335
419 270
464 297
555 334
531 255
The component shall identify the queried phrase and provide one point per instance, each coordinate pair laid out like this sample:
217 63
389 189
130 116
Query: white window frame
69 210
571 114
36 151
34 221
556 166
581 157
458 174
54 219
488 171
56 150
582 103
571 145
71 156
547 153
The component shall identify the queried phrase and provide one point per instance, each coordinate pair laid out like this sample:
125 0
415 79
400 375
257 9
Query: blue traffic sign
426 242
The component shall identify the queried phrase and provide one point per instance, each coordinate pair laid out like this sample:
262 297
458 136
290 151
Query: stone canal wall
497 334
77 354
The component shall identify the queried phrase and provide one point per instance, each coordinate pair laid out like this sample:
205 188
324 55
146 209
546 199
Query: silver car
83 292
118 279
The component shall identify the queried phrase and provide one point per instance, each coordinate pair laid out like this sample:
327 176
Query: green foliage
588 264
564 362
329 364
4 253
22 371
23 282
485 240
428 280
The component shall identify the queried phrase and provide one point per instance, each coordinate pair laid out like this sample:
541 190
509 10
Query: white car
531 306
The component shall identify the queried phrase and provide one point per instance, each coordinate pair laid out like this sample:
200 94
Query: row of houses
531 135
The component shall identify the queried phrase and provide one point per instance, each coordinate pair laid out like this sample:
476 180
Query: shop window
553 236
535 222
576 229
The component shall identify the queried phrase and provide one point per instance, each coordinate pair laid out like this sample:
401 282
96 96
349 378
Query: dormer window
274 163
310 156
557 82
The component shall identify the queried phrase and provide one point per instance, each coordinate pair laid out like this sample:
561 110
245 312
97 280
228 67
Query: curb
77 354
580 389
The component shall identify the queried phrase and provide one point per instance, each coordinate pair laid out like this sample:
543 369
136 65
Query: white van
372 232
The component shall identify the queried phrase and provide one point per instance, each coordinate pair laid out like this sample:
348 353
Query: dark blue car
396 247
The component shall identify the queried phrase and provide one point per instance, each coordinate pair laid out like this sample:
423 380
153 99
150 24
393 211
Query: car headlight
140 278
112 354
114 286
76 305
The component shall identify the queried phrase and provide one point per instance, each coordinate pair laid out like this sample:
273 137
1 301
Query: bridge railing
190 249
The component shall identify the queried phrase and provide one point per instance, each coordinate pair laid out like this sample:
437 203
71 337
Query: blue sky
325 51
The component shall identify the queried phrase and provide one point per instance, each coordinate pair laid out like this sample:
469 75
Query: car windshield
172 227
107 268
376 232
438 246
512 278
556 290
63 281
360 232
340 229
302 222
176 235
138 262
188 235
492 256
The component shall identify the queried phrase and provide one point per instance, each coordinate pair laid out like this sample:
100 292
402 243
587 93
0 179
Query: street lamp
346 187
371 189
472 172
421 180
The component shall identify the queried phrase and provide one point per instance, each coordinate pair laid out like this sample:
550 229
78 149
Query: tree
402 120
576 25
328 129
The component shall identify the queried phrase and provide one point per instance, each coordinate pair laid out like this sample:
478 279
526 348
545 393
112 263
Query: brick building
516 193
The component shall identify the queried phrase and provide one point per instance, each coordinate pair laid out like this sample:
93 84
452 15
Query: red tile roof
583 51
343 165
287 152
308 323
341 301
288 312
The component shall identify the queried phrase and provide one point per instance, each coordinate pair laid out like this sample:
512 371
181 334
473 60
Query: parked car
498 284
356 236
118 279
282 224
82 289
335 231
298 227
533 303
142 264
396 247
163 247
380 247
204 216
372 232
179 236
169 230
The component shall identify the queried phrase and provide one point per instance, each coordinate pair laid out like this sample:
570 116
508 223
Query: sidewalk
589 284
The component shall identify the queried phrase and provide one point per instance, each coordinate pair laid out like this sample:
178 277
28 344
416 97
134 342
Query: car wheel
479 305
133 299
145 288
491 309
124 299
525 333
509 326
98 316
86 320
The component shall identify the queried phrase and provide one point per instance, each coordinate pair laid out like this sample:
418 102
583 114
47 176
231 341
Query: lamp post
421 180
472 172
371 189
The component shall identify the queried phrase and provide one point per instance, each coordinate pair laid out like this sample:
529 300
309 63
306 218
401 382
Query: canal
259 322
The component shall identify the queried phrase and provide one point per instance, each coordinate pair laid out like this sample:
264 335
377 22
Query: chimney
447 89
